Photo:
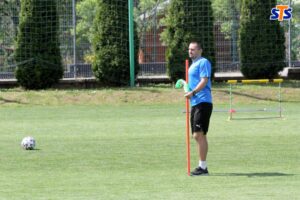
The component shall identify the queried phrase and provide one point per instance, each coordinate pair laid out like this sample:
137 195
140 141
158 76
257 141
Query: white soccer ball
28 143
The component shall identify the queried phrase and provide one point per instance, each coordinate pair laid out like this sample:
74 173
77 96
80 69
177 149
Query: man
201 102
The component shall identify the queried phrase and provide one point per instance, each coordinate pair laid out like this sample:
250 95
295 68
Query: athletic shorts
200 116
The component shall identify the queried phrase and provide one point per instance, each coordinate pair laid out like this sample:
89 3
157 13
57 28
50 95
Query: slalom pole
187 107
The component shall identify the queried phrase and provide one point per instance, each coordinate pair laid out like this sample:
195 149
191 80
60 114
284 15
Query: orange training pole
187 107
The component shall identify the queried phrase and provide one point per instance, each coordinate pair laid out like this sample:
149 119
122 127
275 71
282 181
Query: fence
76 48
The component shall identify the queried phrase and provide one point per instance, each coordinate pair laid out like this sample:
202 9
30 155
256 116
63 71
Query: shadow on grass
265 98
33 149
285 84
255 118
4 101
256 174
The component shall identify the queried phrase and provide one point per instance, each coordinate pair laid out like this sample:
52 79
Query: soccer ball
28 143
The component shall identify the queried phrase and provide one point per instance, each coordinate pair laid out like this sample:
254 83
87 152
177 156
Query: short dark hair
197 43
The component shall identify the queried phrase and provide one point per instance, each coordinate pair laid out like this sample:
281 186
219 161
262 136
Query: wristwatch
194 92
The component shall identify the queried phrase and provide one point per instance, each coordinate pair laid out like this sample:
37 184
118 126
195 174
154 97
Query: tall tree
147 15
110 43
262 49
86 11
295 32
187 20
37 52
9 11
226 14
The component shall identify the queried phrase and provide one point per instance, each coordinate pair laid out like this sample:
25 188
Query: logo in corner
281 12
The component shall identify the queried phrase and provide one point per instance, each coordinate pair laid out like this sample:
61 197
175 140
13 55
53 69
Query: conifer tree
37 50
262 50
186 21
111 64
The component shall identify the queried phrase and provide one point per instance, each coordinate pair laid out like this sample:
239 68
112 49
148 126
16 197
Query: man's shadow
256 174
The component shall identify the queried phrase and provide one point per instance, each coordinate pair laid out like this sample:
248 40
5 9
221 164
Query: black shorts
200 116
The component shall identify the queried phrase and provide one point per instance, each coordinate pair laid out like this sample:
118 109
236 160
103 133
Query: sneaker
199 172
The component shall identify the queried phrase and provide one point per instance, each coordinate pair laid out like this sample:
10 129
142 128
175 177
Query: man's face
194 51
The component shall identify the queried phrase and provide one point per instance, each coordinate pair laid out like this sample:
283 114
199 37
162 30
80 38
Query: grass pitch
130 144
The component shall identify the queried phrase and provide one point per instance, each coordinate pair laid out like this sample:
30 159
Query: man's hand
188 94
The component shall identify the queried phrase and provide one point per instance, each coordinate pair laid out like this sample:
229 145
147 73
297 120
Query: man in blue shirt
201 102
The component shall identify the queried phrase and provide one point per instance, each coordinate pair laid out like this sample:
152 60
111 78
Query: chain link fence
77 17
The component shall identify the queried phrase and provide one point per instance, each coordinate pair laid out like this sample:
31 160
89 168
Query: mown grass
162 94
130 144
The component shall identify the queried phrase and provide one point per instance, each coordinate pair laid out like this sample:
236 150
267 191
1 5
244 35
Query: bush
111 63
262 49
187 21
37 50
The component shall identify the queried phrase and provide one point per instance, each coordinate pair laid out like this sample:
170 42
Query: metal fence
76 48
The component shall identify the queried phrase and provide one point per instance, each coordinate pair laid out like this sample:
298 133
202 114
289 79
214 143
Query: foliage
262 49
295 30
37 51
227 14
86 12
185 23
9 10
147 15
110 43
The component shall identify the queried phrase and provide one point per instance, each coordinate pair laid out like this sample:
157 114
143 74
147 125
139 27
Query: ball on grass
28 143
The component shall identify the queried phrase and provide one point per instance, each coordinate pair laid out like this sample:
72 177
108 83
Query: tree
9 10
37 51
147 15
262 49
86 12
295 32
8 20
110 43
226 14
186 21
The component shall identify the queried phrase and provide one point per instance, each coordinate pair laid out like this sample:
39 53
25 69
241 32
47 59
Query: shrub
262 50
37 50
111 63
187 21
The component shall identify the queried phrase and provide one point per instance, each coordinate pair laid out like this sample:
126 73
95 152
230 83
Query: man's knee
198 136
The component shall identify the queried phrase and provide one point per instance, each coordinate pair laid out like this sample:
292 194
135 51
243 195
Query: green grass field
130 144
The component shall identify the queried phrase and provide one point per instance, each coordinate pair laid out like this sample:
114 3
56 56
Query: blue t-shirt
199 69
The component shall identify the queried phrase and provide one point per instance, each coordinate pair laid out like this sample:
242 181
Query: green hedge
111 64
186 21
37 50
262 50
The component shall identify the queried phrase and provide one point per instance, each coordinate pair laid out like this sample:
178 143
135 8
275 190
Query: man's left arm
199 87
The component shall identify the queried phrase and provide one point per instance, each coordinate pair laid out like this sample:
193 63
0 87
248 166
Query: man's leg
202 145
